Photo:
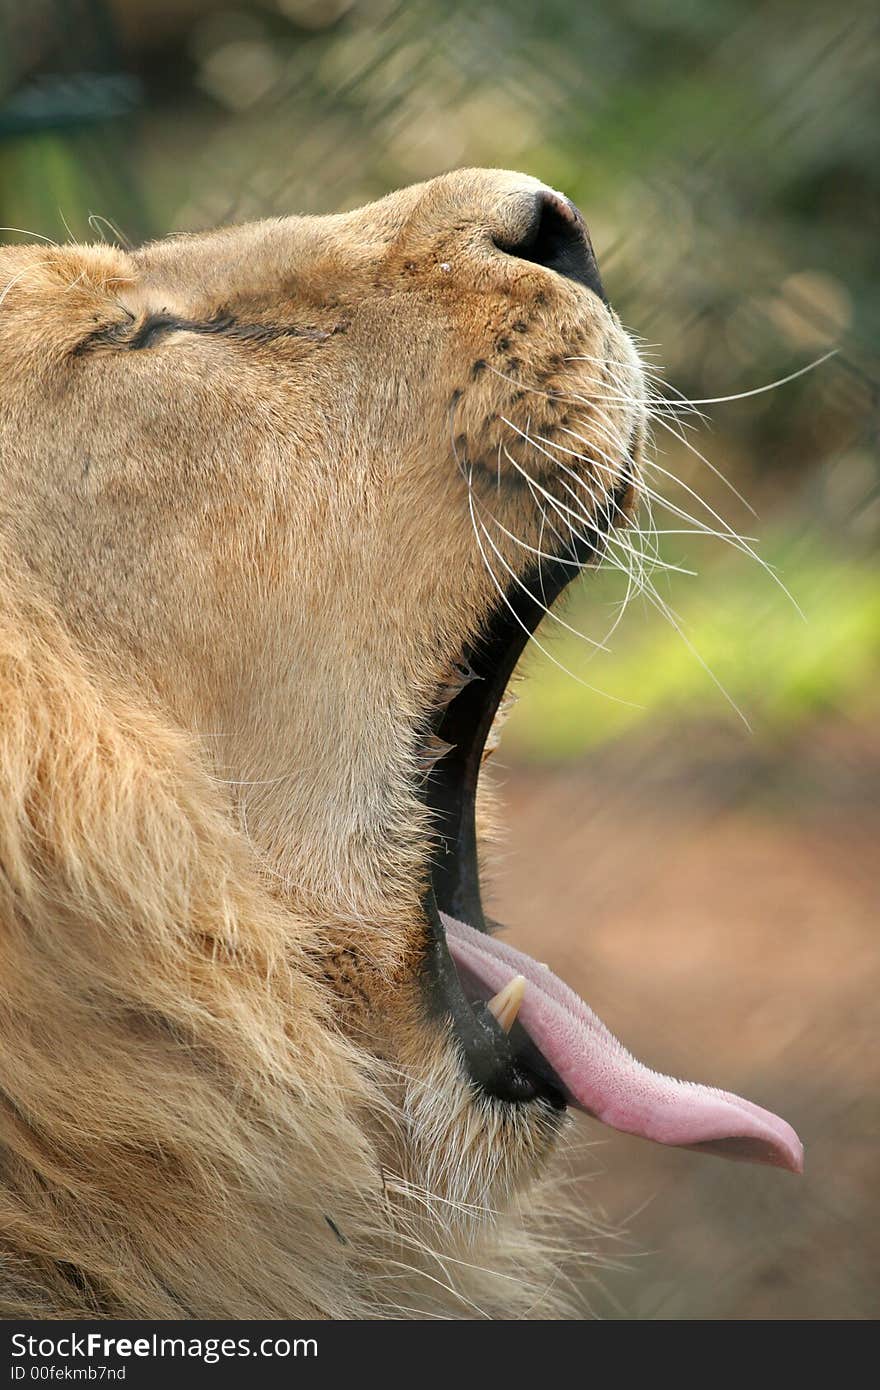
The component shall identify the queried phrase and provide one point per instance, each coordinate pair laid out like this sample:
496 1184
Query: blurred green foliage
727 157
777 666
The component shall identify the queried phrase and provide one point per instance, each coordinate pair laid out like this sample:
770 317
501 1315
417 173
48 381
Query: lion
280 506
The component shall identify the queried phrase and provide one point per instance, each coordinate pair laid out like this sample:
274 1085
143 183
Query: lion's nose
556 237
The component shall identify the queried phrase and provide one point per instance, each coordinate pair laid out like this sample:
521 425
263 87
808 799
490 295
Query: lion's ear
161 1037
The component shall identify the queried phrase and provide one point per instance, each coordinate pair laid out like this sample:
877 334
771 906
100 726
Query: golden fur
236 559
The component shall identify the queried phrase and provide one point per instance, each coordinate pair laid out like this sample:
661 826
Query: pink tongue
602 1078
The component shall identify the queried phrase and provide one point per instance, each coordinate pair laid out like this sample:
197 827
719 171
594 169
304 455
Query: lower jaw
504 1066
501 1065
601 1077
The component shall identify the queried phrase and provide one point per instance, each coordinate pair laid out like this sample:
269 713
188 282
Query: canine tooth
465 671
459 674
505 1005
493 738
430 753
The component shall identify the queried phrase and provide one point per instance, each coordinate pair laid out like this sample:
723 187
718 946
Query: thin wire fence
727 157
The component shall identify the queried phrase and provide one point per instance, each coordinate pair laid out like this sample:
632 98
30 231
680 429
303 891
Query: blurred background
694 813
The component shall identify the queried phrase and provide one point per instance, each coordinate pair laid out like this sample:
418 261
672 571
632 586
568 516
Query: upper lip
507 1066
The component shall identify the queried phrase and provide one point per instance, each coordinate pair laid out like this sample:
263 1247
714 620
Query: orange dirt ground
719 910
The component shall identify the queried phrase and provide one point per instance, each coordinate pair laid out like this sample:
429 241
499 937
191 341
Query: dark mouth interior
505 1065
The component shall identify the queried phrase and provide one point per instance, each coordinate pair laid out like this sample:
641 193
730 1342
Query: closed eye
135 335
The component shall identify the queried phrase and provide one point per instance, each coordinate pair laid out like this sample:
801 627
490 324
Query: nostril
557 239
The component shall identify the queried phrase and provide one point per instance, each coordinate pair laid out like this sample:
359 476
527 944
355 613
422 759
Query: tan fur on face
236 560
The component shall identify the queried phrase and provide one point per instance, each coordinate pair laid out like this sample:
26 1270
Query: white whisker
549 611
771 385
531 636
37 236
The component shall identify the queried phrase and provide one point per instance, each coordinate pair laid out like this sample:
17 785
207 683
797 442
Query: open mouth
524 1036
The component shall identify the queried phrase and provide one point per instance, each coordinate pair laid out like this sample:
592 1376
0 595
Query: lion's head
279 507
